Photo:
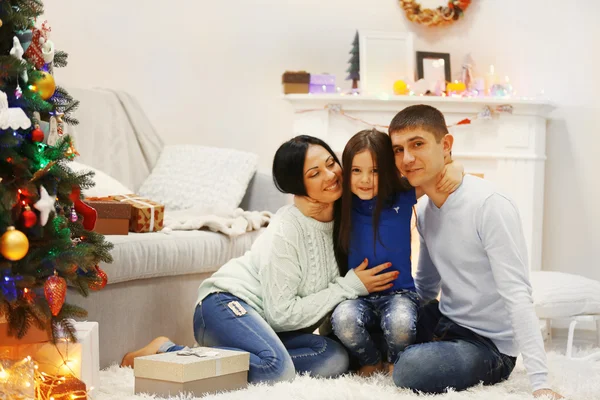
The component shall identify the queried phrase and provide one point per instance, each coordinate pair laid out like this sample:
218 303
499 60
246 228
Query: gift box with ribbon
200 370
146 215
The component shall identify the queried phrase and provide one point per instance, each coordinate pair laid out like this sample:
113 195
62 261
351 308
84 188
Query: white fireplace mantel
509 149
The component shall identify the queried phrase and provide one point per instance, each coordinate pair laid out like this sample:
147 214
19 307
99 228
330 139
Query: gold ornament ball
14 244
45 86
400 87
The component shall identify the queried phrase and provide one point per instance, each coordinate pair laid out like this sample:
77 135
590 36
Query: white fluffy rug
572 378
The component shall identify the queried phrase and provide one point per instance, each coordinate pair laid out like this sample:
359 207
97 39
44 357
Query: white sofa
153 280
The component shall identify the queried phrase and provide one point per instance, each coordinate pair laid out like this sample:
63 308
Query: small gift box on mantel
113 215
200 370
322 83
295 82
146 215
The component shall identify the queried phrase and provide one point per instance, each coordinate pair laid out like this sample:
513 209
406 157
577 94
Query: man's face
418 156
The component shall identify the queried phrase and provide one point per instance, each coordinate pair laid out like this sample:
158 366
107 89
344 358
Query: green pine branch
60 59
10 68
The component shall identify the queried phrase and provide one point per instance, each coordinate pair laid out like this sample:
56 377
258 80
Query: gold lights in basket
22 380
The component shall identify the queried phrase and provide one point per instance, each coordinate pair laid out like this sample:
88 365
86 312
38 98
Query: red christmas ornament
55 290
97 285
37 135
89 214
29 217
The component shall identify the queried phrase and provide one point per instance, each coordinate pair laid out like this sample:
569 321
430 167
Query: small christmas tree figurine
354 68
44 244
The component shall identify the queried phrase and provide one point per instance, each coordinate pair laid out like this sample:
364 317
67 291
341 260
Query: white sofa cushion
105 185
186 176
562 295
155 254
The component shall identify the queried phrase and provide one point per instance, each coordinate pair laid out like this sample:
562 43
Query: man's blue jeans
449 356
377 324
273 356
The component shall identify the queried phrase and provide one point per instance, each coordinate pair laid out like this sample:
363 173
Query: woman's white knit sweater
289 276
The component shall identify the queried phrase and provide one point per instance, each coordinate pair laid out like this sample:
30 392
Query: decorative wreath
434 17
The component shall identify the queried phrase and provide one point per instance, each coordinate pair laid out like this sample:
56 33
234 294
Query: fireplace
507 147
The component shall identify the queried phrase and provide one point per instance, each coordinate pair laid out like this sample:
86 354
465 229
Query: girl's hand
372 281
451 178
310 207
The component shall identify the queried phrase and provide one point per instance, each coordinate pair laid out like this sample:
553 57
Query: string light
24 380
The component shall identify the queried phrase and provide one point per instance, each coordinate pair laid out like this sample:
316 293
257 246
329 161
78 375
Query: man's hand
550 394
310 207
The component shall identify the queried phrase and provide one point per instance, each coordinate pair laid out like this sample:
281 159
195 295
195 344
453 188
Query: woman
269 300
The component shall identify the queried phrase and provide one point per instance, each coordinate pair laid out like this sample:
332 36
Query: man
474 253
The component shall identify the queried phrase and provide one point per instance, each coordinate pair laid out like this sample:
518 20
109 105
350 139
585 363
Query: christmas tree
46 242
354 68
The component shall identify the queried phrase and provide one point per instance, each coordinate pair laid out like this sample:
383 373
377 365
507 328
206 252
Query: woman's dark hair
288 163
389 181
288 176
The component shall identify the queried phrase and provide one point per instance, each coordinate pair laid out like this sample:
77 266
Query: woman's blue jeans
273 356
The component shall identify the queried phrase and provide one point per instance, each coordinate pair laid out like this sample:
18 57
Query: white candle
490 79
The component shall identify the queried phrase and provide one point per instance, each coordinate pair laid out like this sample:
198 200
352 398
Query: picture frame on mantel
433 66
385 57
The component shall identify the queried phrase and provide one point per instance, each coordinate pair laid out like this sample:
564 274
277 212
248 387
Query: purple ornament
73 215
18 92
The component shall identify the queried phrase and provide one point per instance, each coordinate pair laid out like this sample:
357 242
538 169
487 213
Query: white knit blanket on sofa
227 221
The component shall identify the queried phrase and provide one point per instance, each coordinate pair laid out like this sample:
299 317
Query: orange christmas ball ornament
99 284
13 244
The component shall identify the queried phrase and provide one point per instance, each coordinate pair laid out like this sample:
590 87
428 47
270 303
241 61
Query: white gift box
81 359
201 370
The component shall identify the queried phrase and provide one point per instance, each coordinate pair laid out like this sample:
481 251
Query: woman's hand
310 207
451 178
372 281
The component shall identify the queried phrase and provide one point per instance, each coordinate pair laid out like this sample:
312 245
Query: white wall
208 72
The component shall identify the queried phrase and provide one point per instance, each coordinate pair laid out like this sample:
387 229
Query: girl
375 226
